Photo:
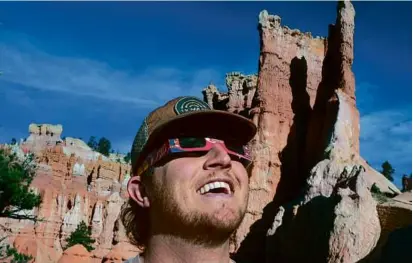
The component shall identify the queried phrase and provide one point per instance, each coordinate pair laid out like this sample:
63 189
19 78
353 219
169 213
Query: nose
217 158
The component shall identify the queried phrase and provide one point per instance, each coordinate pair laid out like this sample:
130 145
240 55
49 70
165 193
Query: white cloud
387 135
403 128
382 123
84 77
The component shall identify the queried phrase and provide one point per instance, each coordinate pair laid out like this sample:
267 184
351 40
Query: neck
173 249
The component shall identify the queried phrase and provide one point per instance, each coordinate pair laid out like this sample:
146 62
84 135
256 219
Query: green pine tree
92 143
81 236
17 257
127 158
104 146
15 196
387 171
15 179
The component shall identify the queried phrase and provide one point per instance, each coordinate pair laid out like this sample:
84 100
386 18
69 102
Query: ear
136 191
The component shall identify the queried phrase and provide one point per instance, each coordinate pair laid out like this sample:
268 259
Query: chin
226 218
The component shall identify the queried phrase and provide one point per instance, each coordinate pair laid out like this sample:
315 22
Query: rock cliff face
307 145
337 74
74 187
241 91
43 135
289 74
77 253
336 219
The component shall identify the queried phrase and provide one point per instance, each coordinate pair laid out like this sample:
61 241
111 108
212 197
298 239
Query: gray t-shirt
133 260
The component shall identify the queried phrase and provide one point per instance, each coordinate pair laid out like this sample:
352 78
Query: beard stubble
197 227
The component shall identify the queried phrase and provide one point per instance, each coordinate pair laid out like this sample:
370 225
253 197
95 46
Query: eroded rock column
337 75
238 99
289 74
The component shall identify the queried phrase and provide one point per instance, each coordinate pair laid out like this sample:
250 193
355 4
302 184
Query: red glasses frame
172 146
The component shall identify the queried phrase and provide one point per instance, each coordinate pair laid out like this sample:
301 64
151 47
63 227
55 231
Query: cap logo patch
189 104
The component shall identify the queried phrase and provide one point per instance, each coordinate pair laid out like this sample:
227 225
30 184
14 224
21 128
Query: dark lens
190 142
235 148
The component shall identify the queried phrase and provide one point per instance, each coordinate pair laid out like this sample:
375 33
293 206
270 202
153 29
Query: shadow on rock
292 156
398 247
304 234
252 249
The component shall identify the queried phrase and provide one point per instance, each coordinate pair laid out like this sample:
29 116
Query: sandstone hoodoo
241 91
75 183
306 149
310 190
77 253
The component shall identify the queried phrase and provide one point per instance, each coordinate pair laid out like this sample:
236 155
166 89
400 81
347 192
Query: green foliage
92 143
377 194
380 198
16 257
127 158
406 182
104 146
15 179
387 170
15 196
375 189
13 141
81 236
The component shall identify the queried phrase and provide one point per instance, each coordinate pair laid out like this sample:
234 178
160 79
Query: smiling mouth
217 187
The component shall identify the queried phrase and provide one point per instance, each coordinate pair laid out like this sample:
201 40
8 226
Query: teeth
206 188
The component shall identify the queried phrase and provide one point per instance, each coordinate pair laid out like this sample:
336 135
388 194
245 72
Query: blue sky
99 68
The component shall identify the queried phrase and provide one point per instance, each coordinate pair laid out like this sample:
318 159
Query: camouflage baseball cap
187 116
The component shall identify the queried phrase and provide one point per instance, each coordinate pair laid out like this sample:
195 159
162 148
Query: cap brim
212 123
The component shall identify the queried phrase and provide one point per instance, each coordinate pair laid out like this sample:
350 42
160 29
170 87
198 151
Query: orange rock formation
304 106
72 189
76 253
303 102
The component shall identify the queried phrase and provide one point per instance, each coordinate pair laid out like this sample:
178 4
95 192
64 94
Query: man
189 186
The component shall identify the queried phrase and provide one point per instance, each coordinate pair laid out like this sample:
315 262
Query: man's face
208 193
